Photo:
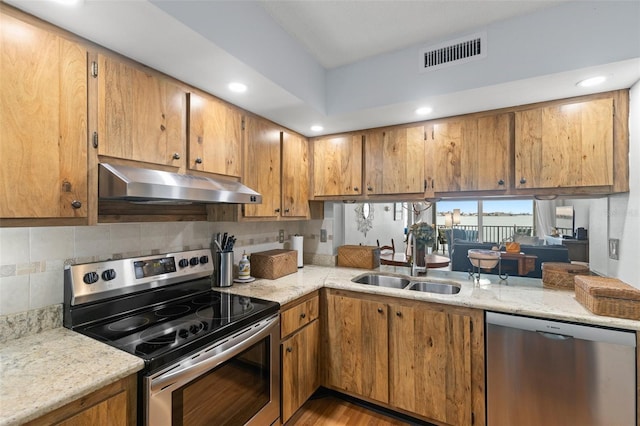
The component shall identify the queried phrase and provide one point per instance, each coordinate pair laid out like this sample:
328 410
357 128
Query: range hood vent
116 182
453 52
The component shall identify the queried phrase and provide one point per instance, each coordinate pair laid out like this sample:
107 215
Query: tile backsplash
32 260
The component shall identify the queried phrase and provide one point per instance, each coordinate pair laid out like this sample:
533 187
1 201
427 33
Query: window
486 221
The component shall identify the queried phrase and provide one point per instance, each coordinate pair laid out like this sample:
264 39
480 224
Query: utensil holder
223 274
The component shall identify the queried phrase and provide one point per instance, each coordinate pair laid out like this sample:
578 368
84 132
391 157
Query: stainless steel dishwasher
542 372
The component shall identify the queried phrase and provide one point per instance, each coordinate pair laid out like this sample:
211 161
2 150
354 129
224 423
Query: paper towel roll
297 243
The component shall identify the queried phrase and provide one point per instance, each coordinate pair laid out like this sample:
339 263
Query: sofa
552 253
457 234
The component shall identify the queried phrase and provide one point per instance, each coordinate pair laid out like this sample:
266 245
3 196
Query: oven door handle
205 360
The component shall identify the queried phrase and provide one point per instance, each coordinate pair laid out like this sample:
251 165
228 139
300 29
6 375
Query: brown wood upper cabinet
277 166
337 165
262 166
215 136
394 160
43 122
566 144
469 154
141 115
295 175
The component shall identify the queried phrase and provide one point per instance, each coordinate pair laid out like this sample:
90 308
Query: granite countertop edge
45 371
64 362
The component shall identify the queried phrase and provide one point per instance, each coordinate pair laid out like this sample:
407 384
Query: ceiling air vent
453 52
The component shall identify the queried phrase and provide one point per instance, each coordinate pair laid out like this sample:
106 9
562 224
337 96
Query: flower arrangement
424 234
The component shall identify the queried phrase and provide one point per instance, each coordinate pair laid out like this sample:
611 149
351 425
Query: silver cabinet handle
176 156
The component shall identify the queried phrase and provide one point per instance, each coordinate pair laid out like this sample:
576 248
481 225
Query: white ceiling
354 64
342 32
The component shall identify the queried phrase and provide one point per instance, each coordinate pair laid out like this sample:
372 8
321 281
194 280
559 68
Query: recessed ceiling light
317 128
424 110
593 81
238 87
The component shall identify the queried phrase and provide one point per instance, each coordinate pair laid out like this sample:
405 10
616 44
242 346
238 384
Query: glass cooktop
172 330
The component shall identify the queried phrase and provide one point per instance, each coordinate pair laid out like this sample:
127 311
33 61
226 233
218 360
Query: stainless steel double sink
392 281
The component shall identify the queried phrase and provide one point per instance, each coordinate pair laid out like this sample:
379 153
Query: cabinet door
262 166
141 117
493 152
430 363
110 412
215 136
295 176
443 151
566 145
43 123
469 154
394 161
357 352
300 377
337 165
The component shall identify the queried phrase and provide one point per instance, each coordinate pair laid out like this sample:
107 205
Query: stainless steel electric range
210 357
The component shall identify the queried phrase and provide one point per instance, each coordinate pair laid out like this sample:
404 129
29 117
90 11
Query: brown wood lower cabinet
419 358
357 346
300 330
113 405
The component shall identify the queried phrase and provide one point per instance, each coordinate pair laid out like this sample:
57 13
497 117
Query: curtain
545 217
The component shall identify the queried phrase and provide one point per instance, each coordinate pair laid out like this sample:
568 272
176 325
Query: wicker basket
272 264
367 257
608 296
561 275
512 247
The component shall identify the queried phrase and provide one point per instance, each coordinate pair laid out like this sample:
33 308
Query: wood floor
332 411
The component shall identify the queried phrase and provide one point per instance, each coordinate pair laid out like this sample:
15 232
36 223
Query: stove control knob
193 261
204 259
108 275
183 332
183 263
91 278
195 329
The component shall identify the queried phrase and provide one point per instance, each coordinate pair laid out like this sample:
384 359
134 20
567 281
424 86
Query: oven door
235 381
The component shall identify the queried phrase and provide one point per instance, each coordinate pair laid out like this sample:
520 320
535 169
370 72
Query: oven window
230 394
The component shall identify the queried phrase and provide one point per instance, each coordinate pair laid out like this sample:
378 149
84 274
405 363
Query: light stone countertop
45 371
42 372
523 296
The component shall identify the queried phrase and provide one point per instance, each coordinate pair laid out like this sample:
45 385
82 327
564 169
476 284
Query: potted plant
425 236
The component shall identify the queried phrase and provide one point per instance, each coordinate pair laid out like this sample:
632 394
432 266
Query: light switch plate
613 248
323 235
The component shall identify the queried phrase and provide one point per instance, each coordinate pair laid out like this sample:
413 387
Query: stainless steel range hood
116 182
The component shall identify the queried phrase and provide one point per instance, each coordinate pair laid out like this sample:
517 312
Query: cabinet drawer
298 316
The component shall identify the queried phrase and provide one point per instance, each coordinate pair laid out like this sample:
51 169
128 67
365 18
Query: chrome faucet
412 242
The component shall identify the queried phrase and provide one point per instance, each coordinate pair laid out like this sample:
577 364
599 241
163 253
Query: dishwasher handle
554 336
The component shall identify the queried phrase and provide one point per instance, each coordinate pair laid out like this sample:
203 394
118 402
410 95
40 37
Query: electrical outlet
323 235
613 248
281 236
